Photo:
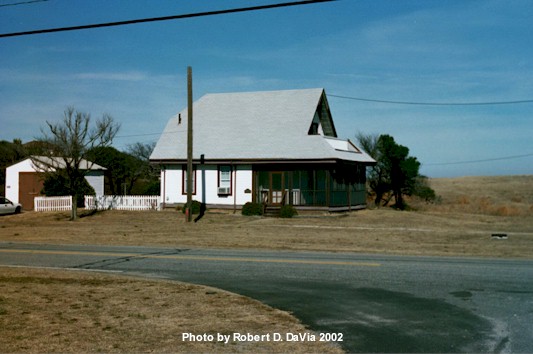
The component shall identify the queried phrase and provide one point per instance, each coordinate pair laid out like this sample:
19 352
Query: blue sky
416 51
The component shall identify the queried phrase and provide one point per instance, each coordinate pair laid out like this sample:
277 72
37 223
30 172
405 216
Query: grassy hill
491 195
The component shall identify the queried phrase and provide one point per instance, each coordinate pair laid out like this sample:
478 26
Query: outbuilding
24 180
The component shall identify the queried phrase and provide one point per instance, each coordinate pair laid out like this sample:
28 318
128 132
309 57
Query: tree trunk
74 210
377 201
399 200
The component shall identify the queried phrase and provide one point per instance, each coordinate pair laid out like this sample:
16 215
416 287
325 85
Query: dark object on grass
203 208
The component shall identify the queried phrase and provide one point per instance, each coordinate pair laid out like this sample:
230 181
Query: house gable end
322 123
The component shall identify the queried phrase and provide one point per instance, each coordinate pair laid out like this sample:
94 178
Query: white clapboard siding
122 202
53 203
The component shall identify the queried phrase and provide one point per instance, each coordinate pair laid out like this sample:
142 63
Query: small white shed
24 182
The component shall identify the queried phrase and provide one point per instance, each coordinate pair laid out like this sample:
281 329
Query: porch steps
272 211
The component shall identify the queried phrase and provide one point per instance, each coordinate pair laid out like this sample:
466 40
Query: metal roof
44 163
253 126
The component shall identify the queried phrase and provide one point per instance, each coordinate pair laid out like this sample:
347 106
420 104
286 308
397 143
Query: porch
332 187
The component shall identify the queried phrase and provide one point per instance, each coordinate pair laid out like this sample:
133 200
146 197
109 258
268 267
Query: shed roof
257 126
56 162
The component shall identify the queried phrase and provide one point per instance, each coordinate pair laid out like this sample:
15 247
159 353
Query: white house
24 181
274 147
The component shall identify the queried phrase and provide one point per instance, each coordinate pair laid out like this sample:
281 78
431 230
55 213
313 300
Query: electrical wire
22 3
164 18
433 103
478 161
150 134
138 135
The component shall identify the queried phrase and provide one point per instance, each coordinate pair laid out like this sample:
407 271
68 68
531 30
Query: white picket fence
123 202
100 202
52 203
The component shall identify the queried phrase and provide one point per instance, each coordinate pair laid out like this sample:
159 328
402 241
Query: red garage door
30 186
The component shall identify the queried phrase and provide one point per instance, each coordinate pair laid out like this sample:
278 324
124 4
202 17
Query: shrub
424 191
195 207
152 188
287 211
56 185
250 209
427 194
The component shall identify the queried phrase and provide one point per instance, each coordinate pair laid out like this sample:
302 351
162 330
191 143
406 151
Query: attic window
313 130
326 122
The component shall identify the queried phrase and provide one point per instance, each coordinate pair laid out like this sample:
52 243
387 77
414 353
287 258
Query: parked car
8 207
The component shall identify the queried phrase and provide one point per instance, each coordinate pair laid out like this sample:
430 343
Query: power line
22 3
150 134
164 18
137 135
433 103
477 161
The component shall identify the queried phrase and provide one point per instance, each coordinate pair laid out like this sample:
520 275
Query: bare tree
377 175
142 152
65 146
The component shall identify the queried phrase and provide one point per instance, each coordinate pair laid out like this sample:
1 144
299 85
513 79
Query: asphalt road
378 303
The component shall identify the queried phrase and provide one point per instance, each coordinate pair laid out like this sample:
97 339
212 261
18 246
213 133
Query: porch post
163 197
290 186
349 189
254 185
234 171
328 188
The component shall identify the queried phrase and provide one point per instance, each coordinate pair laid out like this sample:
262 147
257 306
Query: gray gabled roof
46 163
256 126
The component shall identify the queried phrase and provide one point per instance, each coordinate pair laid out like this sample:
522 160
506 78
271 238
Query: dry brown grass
65 311
436 230
497 195
471 209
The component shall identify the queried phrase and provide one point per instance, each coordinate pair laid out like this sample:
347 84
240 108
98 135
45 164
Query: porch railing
284 196
265 197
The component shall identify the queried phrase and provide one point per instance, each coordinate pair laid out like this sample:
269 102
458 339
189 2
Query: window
224 180
184 179
314 129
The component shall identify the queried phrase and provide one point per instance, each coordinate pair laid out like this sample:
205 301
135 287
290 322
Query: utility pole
188 211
